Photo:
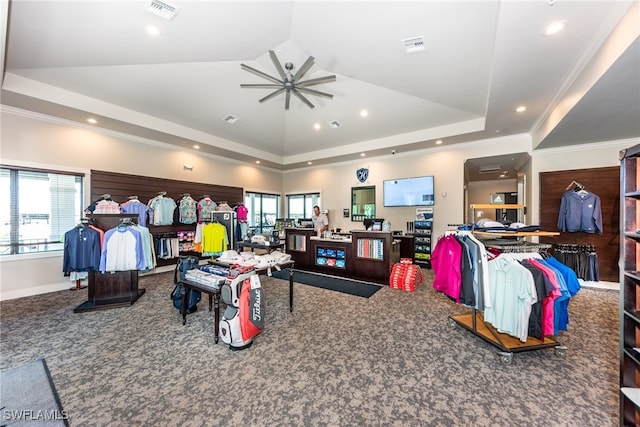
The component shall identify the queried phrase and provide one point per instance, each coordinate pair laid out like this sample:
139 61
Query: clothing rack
165 235
84 222
582 258
519 247
507 345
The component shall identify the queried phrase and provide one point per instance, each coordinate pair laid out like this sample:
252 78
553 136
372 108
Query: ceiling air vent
491 169
334 124
231 119
162 8
413 44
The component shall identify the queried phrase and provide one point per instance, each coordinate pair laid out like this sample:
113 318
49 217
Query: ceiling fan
289 83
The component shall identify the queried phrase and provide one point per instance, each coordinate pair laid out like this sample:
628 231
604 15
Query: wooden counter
368 255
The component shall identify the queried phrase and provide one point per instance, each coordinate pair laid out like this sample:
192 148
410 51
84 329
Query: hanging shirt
214 239
81 250
188 210
446 262
513 293
136 207
107 207
206 208
242 212
163 208
122 250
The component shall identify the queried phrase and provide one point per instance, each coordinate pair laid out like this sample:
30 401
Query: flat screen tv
416 191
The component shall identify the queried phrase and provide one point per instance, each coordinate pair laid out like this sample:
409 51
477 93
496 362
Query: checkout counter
361 255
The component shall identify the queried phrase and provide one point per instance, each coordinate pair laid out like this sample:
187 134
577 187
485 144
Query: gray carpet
338 360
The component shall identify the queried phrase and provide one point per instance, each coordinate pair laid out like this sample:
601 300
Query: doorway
496 180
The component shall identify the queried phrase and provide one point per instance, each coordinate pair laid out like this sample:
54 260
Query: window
301 205
263 211
36 208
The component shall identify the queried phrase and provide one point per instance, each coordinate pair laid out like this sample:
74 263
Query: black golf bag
184 264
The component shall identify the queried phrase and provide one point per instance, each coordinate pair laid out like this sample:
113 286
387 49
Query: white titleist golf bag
243 318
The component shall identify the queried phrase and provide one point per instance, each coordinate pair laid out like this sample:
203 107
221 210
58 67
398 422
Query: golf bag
243 318
184 264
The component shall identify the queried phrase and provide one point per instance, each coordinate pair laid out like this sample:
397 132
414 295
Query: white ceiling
75 59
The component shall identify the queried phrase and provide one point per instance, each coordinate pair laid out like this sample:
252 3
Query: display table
214 300
252 246
214 293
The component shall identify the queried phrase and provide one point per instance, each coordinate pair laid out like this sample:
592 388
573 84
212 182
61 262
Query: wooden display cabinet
630 284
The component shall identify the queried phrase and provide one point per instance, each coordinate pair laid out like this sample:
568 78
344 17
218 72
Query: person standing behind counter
320 221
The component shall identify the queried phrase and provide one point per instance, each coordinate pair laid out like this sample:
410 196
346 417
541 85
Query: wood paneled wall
121 186
604 182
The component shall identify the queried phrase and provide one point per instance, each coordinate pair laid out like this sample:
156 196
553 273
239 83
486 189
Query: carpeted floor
338 360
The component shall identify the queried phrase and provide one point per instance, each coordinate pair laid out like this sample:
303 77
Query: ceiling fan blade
305 67
314 92
317 81
287 99
271 95
260 73
303 98
276 62
260 86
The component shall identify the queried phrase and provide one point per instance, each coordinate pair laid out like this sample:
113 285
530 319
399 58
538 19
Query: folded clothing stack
203 278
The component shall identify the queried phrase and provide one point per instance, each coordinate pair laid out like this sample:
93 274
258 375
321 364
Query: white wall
36 142
334 182
32 141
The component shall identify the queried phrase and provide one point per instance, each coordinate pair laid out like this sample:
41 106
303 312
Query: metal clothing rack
474 321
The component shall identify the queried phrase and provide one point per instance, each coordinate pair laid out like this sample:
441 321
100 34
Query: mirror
363 203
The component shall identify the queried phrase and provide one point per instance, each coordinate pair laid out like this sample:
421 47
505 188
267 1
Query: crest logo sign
362 174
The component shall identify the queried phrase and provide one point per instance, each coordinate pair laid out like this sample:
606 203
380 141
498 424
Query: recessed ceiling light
154 31
92 121
439 142
362 154
316 126
197 147
521 109
554 28
258 162
309 163
364 113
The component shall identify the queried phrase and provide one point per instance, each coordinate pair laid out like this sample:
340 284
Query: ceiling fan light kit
289 82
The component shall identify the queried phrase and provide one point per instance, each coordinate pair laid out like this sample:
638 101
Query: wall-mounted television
416 191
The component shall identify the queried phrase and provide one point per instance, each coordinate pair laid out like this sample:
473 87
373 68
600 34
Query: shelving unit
370 248
520 208
422 242
630 283
508 233
330 257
